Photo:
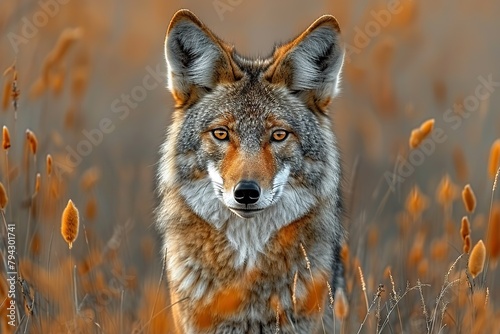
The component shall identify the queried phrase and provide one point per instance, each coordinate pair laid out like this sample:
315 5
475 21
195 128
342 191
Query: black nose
247 192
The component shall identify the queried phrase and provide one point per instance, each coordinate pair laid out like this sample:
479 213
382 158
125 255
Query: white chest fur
247 237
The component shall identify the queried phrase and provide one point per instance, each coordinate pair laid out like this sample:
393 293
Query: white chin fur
245 214
247 232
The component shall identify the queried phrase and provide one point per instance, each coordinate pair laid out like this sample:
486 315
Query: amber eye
220 134
279 135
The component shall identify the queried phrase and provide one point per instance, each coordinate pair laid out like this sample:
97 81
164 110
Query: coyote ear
197 60
311 63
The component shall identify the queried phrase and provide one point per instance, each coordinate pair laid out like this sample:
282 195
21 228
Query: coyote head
250 137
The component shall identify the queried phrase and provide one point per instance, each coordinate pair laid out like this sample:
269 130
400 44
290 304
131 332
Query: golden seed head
387 272
465 227
5 138
4 199
467 243
417 250
447 192
32 141
345 255
36 244
469 199
91 209
420 133
478 301
90 178
80 80
415 138
340 307
416 202
362 279
330 294
427 127
37 183
460 163
494 162
477 258
6 94
65 41
49 164
423 267
70 223
57 80
67 38
344 252
439 249
493 240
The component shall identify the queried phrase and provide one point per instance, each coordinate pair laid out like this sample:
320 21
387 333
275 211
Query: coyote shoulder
249 181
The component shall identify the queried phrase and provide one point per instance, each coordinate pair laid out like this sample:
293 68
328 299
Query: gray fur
313 167
190 55
317 62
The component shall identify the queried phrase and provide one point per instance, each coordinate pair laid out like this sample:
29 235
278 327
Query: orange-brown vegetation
424 264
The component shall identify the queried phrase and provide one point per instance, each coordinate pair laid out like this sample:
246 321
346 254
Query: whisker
206 187
291 186
280 184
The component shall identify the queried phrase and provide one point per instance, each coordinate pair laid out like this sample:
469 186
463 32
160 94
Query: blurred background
90 81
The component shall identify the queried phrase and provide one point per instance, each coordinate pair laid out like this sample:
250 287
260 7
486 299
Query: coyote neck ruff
249 182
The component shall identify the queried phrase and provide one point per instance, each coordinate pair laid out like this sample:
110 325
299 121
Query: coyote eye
279 135
220 134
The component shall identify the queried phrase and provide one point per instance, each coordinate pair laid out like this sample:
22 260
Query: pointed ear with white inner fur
310 65
197 60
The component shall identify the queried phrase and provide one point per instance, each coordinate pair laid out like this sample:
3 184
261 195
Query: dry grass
477 258
494 162
465 233
419 134
423 269
5 138
469 199
493 240
70 223
32 141
4 199
340 306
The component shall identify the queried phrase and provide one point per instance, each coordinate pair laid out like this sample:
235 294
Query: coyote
249 182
